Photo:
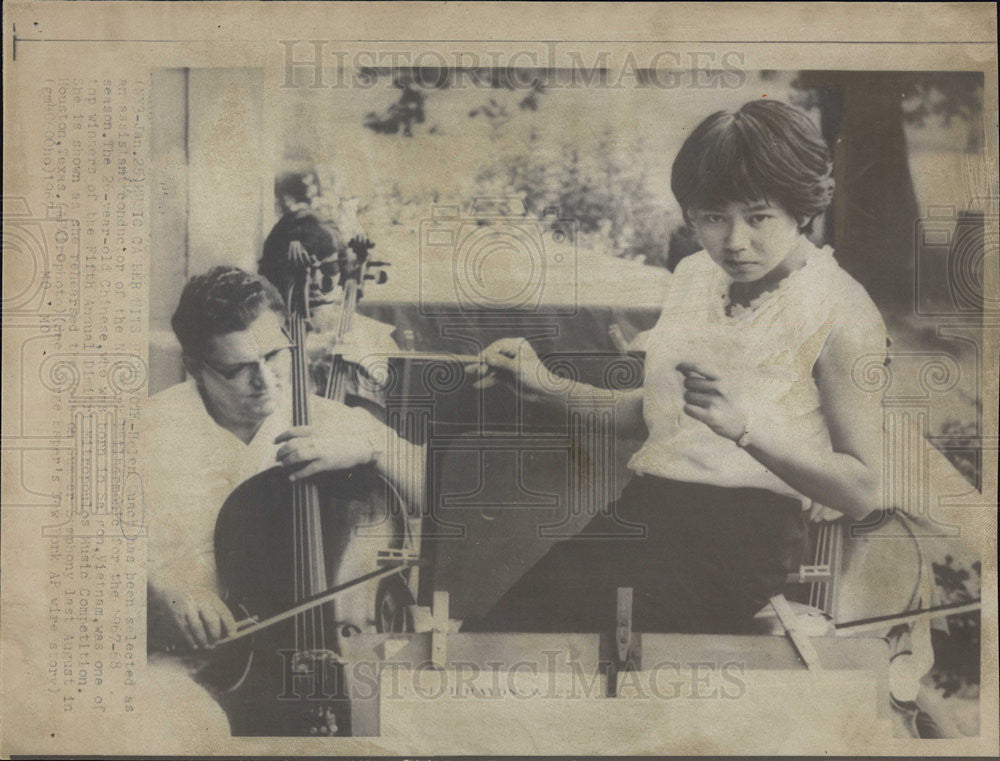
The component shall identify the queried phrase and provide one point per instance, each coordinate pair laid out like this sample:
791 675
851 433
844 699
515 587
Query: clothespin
627 644
799 638
618 338
623 623
409 341
439 630
435 620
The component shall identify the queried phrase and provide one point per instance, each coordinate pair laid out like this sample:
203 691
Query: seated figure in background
301 234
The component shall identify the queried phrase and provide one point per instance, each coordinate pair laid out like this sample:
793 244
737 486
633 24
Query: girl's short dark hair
223 300
765 151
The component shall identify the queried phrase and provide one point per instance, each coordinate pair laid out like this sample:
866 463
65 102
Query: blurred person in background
305 233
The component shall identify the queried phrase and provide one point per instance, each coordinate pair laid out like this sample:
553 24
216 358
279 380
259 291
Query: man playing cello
228 422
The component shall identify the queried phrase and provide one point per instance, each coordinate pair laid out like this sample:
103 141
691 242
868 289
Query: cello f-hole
349 630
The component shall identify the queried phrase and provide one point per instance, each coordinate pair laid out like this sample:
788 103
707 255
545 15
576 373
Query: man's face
747 240
244 376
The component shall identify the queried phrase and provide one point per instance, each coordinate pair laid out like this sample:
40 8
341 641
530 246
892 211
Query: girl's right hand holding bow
513 363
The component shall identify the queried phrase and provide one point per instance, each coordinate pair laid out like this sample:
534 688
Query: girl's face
747 240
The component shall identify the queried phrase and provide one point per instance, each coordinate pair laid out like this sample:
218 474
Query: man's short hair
765 151
317 239
223 300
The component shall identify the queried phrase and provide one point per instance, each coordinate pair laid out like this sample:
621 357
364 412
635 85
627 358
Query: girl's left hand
708 399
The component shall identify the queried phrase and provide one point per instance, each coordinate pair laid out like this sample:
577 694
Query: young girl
753 400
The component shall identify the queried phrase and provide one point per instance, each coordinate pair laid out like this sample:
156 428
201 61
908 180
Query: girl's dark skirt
699 558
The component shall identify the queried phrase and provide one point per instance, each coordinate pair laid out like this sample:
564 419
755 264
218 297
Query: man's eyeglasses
244 372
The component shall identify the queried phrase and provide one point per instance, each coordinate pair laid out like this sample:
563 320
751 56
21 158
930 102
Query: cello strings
310 568
299 495
307 495
293 324
813 587
836 560
820 549
301 627
319 579
335 390
824 560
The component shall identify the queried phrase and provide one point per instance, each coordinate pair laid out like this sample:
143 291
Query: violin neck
336 384
347 313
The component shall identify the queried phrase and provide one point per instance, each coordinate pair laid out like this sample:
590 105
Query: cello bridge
408 557
306 661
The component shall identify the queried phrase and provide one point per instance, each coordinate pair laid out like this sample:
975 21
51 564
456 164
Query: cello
312 563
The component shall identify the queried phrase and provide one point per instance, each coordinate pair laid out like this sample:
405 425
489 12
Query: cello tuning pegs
360 245
379 279
379 264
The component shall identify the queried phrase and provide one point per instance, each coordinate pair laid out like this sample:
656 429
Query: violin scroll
363 266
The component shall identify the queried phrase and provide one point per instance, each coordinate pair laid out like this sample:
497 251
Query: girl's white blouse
765 353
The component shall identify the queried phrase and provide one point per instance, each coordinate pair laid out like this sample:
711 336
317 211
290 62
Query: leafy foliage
944 96
956 654
964 447
603 190
401 115
410 107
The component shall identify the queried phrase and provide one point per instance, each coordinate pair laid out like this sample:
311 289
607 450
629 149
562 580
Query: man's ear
192 366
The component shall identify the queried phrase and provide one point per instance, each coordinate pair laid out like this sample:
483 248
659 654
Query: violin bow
249 626
879 622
